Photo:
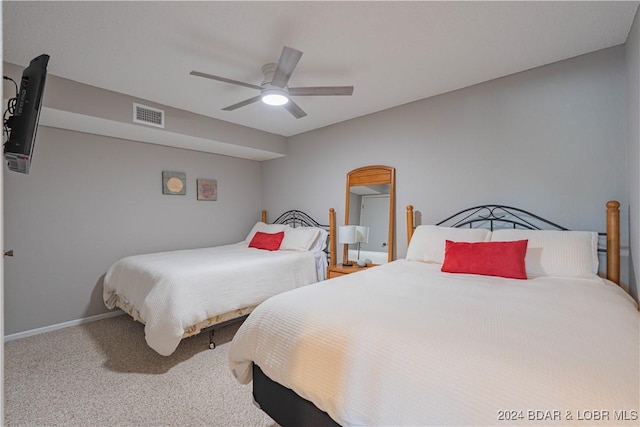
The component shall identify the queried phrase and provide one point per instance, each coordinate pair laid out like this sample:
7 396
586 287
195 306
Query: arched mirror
369 206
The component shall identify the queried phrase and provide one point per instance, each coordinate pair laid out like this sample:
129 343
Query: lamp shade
362 234
347 234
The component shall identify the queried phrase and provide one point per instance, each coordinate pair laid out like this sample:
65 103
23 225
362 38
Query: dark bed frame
284 405
287 408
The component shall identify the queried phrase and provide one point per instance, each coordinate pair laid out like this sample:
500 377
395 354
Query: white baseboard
62 325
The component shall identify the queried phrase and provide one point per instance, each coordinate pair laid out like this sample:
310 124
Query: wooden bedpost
409 223
332 237
613 241
264 216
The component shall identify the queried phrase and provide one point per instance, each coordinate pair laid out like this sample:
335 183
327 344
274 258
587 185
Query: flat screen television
18 150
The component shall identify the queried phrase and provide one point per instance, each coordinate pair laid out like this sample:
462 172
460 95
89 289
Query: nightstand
341 270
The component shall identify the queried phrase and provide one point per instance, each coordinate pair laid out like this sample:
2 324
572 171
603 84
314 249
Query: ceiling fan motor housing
268 70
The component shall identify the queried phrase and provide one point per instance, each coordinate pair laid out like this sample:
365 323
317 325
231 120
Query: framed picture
207 189
174 183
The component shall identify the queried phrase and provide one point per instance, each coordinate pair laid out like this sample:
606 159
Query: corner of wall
632 58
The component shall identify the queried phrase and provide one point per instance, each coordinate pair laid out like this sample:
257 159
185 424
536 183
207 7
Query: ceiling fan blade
321 91
294 109
224 79
286 64
242 104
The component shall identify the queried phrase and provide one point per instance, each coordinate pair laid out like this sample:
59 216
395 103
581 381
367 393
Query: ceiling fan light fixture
274 97
274 89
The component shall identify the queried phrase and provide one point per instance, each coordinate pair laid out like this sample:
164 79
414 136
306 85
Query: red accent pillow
503 259
268 241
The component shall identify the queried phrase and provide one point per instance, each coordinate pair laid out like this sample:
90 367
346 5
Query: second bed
180 293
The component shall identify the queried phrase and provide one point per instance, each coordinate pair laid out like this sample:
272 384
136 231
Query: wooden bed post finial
409 223
613 241
264 216
332 237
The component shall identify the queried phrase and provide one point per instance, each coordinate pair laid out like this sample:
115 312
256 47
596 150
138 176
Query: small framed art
207 189
174 183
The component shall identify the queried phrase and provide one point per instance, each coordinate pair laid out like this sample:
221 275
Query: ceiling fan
274 89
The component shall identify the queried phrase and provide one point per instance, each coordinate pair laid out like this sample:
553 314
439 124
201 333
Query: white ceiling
392 52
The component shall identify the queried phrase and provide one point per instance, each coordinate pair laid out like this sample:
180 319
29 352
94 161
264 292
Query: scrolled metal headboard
500 215
503 215
296 218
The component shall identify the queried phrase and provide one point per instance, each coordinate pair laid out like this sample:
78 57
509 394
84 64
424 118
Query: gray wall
632 51
90 200
552 140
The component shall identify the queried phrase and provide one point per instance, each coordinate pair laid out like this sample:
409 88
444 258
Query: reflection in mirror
370 205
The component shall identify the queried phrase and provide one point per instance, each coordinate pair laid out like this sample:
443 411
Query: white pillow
556 253
321 241
265 228
428 241
299 239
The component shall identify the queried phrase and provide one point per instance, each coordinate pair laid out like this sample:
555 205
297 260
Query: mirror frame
373 175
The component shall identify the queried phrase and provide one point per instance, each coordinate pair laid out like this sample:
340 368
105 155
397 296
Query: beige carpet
103 374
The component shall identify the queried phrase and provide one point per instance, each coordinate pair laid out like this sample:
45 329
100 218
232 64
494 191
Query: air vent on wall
148 115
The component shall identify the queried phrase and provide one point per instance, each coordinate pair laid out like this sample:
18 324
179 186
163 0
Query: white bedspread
174 290
404 344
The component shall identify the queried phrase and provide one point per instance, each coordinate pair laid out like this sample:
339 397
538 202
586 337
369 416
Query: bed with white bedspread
406 343
177 294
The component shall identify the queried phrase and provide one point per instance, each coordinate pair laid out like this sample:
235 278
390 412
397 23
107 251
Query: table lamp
348 236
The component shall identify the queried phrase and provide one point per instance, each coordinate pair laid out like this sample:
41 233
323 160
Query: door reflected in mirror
370 205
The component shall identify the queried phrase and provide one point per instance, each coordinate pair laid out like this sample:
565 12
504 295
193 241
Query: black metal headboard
492 216
295 218
499 215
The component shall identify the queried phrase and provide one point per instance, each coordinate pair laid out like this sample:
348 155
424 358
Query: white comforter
404 344
175 290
